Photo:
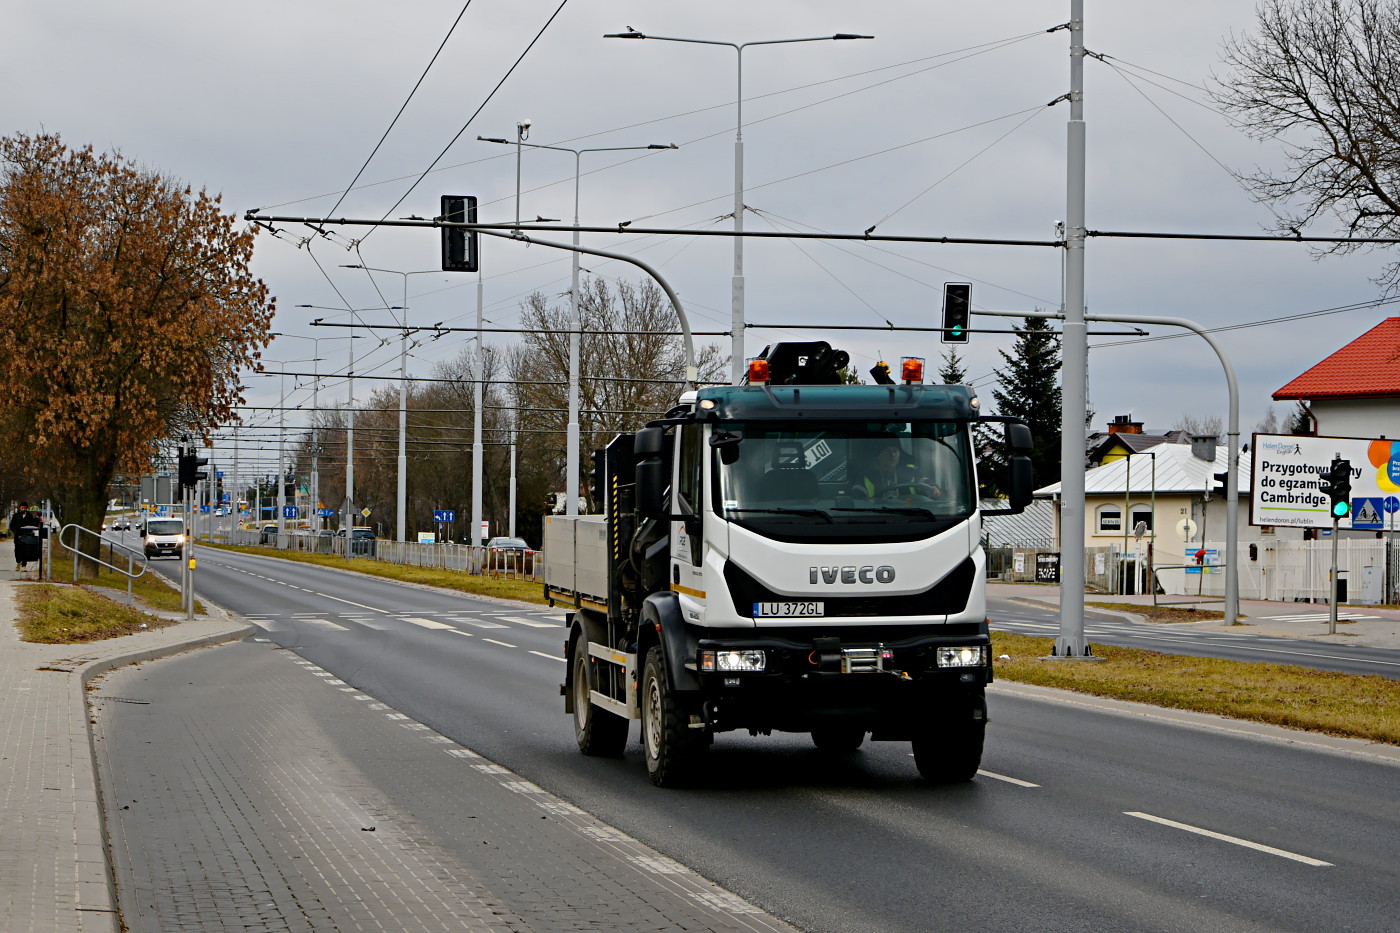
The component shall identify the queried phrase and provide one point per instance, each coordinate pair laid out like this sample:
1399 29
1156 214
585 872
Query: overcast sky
939 126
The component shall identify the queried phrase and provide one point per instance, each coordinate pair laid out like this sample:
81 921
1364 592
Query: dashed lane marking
550 656
426 623
1234 840
503 644
1010 780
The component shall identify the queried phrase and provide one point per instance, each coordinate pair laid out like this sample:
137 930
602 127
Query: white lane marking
1316 617
550 656
395 716
1010 780
457 631
325 623
426 623
1235 840
461 752
482 623
503 644
533 623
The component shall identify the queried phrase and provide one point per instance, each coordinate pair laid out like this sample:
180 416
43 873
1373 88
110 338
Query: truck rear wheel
598 731
672 749
952 753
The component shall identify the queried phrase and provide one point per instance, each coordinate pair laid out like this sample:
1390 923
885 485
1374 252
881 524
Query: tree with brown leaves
126 313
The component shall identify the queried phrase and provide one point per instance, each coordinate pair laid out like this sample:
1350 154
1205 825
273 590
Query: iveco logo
882 574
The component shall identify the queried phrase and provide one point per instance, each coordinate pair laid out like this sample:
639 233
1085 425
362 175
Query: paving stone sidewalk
54 875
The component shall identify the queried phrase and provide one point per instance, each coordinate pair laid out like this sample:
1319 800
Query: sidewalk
1378 628
54 874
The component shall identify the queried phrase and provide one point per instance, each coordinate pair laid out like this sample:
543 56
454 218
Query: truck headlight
962 656
730 660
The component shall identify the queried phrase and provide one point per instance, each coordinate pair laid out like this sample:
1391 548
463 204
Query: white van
165 537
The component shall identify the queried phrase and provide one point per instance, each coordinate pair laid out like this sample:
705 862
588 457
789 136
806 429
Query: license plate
788 610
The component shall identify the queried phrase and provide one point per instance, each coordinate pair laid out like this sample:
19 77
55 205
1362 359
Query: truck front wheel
598 731
950 753
672 749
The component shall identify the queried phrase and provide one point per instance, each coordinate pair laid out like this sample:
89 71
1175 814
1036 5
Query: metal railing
459 558
112 547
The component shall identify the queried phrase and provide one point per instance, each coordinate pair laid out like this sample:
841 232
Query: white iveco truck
793 554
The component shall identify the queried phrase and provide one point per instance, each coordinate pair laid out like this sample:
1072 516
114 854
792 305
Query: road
1083 818
1099 628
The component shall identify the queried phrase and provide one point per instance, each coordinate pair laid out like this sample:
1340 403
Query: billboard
1285 469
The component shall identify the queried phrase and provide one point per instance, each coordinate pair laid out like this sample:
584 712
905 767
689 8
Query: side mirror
1020 487
143 532
651 488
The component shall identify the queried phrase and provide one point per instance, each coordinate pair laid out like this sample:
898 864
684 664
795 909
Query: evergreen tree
952 373
1029 389
1301 422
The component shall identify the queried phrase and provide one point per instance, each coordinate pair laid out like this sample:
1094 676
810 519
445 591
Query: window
1142 514
689 481
1110 520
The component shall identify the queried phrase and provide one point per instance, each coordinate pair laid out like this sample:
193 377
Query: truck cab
787 556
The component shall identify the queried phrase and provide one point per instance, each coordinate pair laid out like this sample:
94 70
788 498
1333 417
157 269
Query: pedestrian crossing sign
1368 513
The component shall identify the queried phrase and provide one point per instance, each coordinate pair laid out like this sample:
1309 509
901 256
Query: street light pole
571 444
738 361
402 497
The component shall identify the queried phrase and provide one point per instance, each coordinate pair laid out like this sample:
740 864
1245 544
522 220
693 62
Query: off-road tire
673 751
598 731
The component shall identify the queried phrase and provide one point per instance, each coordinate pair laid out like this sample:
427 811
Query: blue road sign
1368 513
325 513
444 515
204 510
1392 505
289 511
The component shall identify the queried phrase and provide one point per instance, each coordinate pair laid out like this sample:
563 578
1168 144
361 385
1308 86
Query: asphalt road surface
1084 818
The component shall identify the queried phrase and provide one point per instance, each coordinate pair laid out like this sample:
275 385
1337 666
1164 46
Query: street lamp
738 362
403 397
571 454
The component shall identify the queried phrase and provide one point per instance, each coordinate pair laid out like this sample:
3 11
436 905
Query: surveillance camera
525 124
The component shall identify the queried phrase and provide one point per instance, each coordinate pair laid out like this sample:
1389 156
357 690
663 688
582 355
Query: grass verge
152 590
1163 613
1349 705
55 614
502 587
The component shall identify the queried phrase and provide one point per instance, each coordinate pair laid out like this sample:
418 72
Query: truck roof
837 403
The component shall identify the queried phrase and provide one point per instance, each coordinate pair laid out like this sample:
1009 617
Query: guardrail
461 558
112 546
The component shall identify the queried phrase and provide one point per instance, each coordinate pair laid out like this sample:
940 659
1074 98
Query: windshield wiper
781 511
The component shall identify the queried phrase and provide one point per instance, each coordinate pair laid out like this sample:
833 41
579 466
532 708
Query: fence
462 558
1300 571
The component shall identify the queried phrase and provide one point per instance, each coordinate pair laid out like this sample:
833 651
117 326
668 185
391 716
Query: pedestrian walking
25 526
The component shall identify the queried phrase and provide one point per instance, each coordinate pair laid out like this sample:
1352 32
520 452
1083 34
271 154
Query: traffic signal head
1335 483
459 247
957 310
1221 484
189 469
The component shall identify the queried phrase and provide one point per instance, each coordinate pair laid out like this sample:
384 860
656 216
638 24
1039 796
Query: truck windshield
900 479
166 526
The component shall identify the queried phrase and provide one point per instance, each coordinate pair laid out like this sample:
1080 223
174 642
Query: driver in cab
893 476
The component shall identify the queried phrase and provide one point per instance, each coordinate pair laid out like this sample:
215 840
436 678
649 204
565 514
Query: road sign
364 512
204 510
1392 505
1368 513
444 515
325 513
289 511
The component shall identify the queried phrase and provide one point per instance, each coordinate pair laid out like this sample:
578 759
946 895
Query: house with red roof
1355 392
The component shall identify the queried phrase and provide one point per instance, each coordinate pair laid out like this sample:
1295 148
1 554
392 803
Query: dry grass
1163 613
150 589
55 614
1361 707
501 587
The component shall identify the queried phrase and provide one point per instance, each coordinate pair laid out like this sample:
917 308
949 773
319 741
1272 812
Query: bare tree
1197 424
631 367
1320 76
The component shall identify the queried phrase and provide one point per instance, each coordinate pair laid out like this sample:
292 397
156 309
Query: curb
96 884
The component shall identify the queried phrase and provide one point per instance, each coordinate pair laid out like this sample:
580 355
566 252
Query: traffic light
957 309
1335 483
1221 484
189 468
460 248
